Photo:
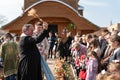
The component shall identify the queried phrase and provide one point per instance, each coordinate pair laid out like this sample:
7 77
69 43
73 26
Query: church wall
54 13
73 3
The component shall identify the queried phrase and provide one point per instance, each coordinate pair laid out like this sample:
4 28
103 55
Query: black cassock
29 67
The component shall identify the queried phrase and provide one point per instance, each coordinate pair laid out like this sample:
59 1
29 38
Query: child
82 74
92 67
77 65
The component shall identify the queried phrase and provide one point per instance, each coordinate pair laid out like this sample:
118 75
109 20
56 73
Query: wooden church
60 14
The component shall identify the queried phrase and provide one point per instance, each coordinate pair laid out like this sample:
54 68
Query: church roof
58 1
52 1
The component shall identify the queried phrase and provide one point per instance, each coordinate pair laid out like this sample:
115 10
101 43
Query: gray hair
26 27
76 44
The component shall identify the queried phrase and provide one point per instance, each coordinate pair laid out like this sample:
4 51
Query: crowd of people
93 57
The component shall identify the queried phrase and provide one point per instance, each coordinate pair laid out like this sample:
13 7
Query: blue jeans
11 77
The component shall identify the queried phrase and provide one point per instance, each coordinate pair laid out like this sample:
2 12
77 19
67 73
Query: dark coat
116 55
51 41
30 65
103 46
67 45
60 49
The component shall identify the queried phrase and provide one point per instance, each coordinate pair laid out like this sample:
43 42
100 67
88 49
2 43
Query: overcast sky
100 12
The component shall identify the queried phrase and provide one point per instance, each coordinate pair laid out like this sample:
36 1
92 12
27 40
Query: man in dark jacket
30 65
67 44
